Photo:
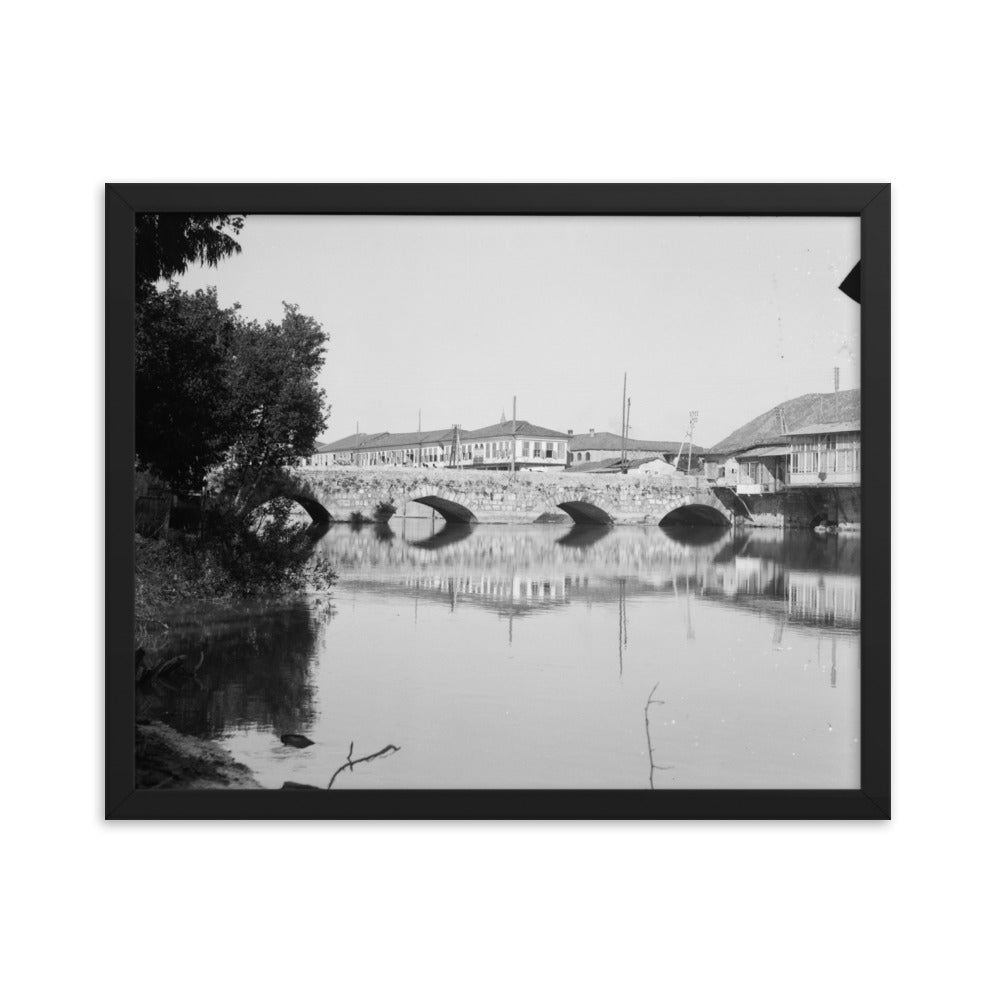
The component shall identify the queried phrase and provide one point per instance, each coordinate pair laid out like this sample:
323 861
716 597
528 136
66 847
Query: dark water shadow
450 534
695 536
383 532
257 672
582 536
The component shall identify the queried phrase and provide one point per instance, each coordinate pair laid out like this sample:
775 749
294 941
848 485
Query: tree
182 380
217 391
275 406
167 242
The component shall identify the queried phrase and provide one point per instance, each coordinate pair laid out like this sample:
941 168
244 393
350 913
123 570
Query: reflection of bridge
471 497
802 580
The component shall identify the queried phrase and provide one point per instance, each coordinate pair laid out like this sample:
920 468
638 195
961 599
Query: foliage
167 242
182 420
274 407
214 389
223 397
384 510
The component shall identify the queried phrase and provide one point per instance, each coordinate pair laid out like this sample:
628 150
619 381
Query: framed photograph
498 501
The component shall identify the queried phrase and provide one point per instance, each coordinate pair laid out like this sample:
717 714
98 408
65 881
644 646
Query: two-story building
825 455
497 446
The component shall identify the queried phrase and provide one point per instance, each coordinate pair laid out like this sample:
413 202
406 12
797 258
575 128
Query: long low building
599 446
525 444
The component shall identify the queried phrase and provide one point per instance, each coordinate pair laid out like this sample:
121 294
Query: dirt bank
165 758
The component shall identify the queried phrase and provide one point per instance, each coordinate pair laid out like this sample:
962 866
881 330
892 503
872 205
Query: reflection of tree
257 672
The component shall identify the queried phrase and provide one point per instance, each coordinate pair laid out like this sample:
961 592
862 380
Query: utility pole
836 395
693 419
624 386
628 427
513 438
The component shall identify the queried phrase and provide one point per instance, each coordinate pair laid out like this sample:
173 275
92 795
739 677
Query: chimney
591 431
570 432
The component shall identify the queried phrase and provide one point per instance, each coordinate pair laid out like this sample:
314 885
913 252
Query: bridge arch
693 514
452 512
318 513
583 512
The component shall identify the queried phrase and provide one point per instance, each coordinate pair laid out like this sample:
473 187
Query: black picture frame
870 202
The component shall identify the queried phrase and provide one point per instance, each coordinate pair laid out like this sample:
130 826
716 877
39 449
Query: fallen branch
649 743
386 751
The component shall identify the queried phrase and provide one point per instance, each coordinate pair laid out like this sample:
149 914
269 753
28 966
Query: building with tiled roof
601 446
498 446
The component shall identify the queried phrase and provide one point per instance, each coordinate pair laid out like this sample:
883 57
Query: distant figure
296 740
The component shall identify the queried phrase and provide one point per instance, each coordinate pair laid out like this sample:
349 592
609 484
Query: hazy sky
454 316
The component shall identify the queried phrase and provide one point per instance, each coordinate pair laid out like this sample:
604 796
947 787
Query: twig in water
386 751
649 743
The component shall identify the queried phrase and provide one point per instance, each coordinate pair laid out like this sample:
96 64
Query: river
542 656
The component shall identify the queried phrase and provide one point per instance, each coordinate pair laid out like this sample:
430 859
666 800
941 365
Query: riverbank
165 758
173 573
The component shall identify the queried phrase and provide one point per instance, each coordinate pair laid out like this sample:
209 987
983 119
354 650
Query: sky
447 318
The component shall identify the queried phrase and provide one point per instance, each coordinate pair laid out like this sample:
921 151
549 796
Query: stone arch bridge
468 497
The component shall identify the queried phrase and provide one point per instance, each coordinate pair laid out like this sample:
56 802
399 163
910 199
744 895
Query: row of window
839 459
477 452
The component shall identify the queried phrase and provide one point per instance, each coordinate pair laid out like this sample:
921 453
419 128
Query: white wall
529 91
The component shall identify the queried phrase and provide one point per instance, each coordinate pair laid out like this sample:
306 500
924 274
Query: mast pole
624 387
513 439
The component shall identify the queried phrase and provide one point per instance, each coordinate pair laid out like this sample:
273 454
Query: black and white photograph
497 502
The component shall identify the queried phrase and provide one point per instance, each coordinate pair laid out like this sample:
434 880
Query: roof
344 444
606 441
406 439
773 426
613 464
842 428
766 452
504 429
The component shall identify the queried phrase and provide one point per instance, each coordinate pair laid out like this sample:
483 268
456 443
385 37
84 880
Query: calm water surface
544 656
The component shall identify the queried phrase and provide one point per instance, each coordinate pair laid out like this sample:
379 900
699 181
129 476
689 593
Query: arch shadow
450 534
582 536
585 513
693 536
694 514
316 511
453 513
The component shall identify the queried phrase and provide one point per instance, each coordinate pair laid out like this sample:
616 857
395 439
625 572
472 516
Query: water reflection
695 535
523 656
450 534
256 672
799 577
582 536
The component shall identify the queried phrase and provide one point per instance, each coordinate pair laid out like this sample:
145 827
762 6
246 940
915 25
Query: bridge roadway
467 496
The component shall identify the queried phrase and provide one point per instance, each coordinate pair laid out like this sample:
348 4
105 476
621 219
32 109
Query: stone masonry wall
501 498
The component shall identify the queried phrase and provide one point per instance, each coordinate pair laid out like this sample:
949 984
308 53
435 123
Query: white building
525 444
